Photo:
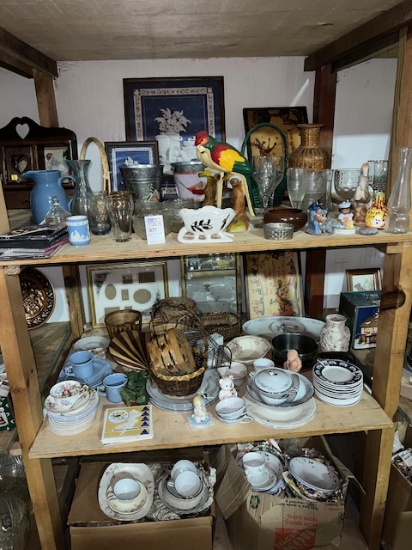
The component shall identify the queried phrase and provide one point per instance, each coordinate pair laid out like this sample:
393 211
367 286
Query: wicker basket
103 158
169 308
178 345
226 324
124 319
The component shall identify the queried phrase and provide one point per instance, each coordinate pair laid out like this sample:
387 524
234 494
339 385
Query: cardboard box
398 510
259 521
362 312
90 528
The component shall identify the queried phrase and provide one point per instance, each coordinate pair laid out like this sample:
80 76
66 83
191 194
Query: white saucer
265 483
142 473
130 507
90 343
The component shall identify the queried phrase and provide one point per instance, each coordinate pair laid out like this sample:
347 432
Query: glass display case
213 282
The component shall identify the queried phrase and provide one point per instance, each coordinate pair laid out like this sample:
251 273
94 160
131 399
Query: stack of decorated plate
313 478
71 407
337 382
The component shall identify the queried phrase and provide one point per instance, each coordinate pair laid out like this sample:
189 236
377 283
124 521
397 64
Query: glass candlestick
399 203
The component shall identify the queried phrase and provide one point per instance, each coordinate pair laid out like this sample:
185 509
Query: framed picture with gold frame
266 140
363 280
273 284
114 287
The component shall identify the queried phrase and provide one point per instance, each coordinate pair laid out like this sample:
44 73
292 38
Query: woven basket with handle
178 352
103 158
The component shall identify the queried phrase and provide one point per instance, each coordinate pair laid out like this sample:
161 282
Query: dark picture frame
363 280
268 139
24 146
129 153
174 107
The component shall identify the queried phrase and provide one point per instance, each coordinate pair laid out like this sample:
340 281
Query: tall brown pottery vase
309 154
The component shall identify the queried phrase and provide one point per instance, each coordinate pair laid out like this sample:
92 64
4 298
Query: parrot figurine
226 159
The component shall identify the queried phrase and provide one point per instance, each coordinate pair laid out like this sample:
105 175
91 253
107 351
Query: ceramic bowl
238 371
182 466
273 382
205 223
294 216
306 347
188 484
246 349
230 408
274 401
65 395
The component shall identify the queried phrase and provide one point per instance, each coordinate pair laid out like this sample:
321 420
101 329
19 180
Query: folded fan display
337 382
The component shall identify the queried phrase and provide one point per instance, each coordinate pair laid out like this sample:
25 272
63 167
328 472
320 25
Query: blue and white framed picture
129 153
171 111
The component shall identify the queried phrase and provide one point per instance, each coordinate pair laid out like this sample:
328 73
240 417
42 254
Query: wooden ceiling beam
19 53
373 31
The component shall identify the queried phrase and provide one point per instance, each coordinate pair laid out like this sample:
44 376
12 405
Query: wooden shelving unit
374 414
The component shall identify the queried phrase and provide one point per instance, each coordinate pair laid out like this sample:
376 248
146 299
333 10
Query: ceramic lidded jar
335 335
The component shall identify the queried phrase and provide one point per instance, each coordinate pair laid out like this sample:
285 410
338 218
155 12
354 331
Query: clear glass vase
399 203
80 203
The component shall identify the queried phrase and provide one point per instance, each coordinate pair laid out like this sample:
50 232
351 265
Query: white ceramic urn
335 335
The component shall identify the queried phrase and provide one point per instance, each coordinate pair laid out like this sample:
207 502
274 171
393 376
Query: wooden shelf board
171 430
48 342
101 248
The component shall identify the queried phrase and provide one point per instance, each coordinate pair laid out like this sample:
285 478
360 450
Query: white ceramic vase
335 335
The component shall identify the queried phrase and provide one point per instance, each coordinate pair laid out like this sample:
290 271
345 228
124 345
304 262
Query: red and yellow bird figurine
227 160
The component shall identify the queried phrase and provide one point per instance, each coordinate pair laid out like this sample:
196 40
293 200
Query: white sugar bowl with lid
274 385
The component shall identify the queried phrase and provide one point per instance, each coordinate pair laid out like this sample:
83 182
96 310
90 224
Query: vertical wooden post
46 100
323 113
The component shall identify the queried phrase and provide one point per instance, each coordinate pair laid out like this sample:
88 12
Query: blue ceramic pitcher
47 184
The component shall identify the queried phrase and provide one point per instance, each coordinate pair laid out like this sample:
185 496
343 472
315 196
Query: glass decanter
57 215
399 203
80 203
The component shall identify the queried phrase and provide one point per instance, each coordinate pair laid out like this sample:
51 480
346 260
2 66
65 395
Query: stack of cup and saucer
126 491
259 473
232 410
184 490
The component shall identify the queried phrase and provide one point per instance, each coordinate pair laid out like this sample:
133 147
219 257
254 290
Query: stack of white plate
76 420
337 382
317 480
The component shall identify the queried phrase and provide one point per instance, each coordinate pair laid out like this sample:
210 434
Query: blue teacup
80 364
112 384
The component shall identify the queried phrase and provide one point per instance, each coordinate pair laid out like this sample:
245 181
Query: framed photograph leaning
363 280
172 110
114 287
129 153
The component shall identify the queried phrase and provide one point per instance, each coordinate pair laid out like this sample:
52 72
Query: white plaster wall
89 98
363 121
